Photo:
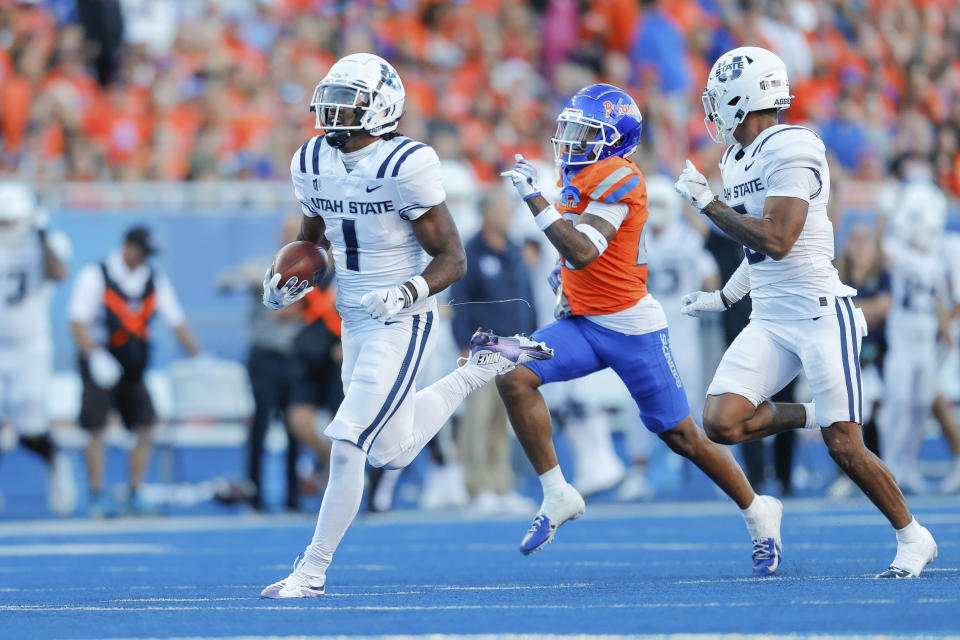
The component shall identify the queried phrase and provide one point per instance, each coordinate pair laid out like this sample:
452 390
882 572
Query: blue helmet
600 121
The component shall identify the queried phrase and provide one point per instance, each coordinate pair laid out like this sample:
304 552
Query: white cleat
951 484
61 486
600 477
296 585
635 487
767 545
912 557
554 513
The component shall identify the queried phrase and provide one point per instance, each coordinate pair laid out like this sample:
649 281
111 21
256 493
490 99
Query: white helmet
742 80
921 215
18 206
365 84
663 203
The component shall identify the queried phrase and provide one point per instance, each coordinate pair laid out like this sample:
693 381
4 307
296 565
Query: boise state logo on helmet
600 121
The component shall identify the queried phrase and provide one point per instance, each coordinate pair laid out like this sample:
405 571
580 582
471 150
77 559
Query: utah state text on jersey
326 205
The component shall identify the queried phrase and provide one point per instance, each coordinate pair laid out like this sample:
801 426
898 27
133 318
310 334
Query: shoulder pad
791 146
305 158
611 180
408 155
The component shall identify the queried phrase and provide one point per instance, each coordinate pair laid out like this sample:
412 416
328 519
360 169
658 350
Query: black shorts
129 397
317 383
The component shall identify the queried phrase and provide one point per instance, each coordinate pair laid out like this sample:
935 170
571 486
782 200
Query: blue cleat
539 535
767 554
503 354
552 514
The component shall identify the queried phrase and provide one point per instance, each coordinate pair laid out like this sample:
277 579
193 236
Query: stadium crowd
117 91
215 89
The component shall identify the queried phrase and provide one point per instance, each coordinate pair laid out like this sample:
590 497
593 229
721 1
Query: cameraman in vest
110 310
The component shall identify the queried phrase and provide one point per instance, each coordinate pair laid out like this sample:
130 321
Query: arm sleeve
739 283
615 213
86 296
60 245
804 183
298 193
167 304
419 183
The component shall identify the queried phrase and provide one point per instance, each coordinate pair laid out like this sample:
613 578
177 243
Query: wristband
546 218
421 286
531 195
407 295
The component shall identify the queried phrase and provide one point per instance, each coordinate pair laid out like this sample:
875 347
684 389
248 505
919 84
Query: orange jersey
616 280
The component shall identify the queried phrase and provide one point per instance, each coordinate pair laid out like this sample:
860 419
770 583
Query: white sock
341 501
909 533
435 405
756 518
553 483
811 411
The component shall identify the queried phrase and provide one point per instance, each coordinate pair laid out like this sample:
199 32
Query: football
305 260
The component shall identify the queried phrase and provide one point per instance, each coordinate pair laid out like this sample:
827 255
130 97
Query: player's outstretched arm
437 234
578 245
774 234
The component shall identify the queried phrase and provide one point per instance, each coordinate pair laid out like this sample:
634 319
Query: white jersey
367 213
677 263
25 292
917 279
787 161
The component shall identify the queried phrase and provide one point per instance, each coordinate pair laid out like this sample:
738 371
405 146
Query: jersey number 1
350 241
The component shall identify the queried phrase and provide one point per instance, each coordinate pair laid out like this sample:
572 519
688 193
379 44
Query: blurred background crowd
214 89
183 116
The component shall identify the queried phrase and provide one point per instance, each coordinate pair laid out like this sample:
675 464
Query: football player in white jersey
776 185
918 289
31 259
376 198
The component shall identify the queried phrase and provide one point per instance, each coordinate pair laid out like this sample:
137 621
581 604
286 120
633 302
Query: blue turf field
654 569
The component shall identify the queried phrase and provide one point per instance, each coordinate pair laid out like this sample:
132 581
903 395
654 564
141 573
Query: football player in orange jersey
606 318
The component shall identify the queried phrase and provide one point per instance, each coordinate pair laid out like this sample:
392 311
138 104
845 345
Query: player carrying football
375 197
776 185
606 318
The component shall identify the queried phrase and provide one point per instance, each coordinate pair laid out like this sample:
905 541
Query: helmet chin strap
337 139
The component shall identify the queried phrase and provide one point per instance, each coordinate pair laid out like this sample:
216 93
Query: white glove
383 304
696 304
692 185
524 177
104 368
275 297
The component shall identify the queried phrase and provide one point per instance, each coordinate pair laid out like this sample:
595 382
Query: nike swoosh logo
392 322
371 189
384 299
775 565
746 167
